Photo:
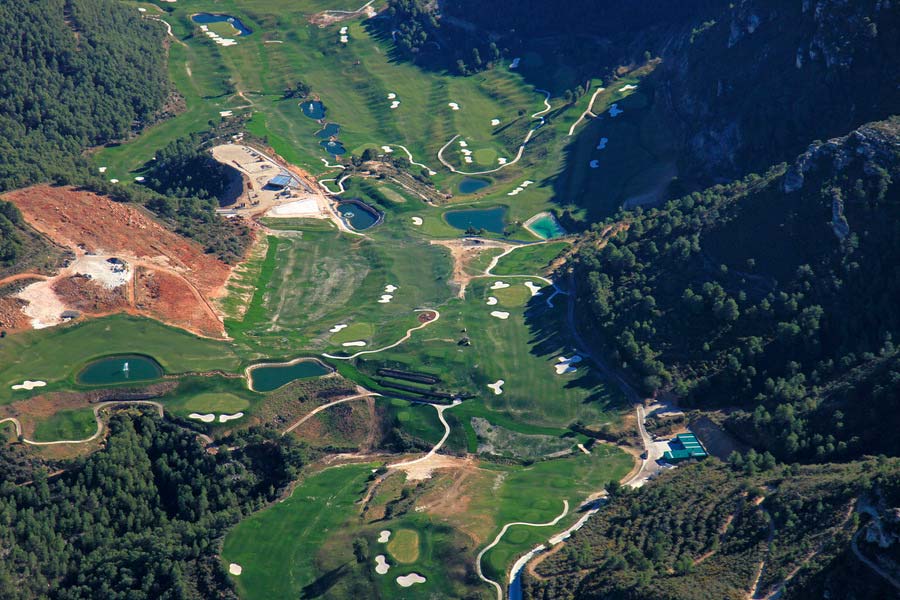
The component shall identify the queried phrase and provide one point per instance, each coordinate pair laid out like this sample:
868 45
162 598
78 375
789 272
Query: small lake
470 185
207 18
489 219
272 377
313 109
333 147
120 369
358 214
547 227
330 130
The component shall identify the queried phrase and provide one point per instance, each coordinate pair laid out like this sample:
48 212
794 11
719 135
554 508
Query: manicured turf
76 424
404 545
212 402
529 260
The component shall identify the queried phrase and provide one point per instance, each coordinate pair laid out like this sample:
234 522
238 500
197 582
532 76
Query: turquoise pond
313 109
272 377
207 18
470 185
333 147
330 130
547 227
358 215
489 219
120 369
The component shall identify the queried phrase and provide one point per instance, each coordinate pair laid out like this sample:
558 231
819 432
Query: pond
470 185
547 227
489 219
333 147
271 377
329 131
313 109
120 369
358 214
207 18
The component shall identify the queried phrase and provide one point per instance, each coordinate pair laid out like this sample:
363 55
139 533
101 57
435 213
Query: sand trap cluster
499 285
235 569
206 418
496 386
615 111
381 565
534 289
216 37
394 104
408 580
602 144
29 385
453 105
383 536
564 365
337 328
388 294
628 88
353 344
344 37
500 314
226 418
464 150
491 301
416 220
521 188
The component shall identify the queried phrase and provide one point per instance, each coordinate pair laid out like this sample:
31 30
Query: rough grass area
76 424
529 260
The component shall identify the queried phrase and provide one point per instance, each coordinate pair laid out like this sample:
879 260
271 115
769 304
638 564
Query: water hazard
207 18
489 219
120 369
271 377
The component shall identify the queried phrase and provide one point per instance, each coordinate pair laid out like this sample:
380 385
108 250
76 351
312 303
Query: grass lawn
404 545
76 424
529 260
211 402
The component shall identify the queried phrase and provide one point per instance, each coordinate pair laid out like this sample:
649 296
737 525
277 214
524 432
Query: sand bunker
383 536
337 328
344 39
564 365
417 220
463 144
225 113
501 160
381 565
390 289
101 169
139 178
344 30
226 418
515 63
29 385
353 344
496 386
602 144
395 104
495 122
453 105
114 181
387 149
491 301
235 569
385 298
207 418
392 96
499 285
534 289
308 207
628 88
500 314
594 164
408 580
615 111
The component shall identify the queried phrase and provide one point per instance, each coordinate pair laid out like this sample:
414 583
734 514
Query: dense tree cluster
745 295
140 519
76 73
185 169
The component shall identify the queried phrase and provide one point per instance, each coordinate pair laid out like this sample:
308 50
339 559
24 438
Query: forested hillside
140 519
776 291
75 73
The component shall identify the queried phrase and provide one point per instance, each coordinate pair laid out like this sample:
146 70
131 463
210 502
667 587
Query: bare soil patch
464 252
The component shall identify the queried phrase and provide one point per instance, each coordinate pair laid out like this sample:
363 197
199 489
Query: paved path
500 535
409 333
586 112
440 408
319 409
97 409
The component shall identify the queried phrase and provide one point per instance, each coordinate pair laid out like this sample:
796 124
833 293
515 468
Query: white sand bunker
392 96
534 289
628 88
463 144
139 179
495 122
353 344
496 386
417 220
499 285
615 111
468 159
395 104
390 289
385 298
101 169
344 39
225 113
226 418
594 164
207 418
29 385
343 31
337 328
515 63
408 580
564 365
491 301
602 144
453 105
501 160
500 314
383 536
381 565
235 569
114 180
387 149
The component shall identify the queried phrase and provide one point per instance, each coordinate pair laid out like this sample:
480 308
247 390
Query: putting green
216 402
404 546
